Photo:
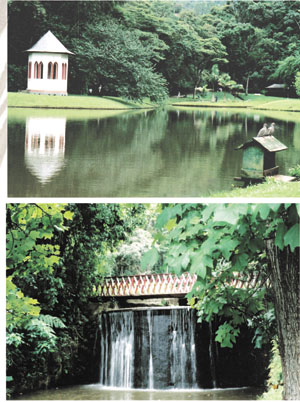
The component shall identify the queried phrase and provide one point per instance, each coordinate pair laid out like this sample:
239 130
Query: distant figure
90 91
263 131
99 89
271 129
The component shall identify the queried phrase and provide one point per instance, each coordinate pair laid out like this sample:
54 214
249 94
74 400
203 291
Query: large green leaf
291 238
149 259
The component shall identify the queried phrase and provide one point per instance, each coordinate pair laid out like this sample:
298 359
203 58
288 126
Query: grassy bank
23 100
270 188
257 102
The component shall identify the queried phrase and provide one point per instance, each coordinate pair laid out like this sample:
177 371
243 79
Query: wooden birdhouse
259 157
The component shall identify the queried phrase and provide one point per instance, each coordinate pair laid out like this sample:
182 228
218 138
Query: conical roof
49 44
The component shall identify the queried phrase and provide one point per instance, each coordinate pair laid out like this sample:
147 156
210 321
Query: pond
96 392
155 153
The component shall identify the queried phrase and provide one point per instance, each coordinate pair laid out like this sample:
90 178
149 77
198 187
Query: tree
256 244
297 83
119 60
287 69
55 255
229 85
189 43
214 76
30 250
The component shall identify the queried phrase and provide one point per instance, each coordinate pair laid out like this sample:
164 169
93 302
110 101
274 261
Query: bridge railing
147 285
165 284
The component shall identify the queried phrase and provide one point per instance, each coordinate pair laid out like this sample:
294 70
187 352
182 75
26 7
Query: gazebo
48 66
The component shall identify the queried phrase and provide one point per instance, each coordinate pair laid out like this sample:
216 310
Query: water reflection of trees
156 153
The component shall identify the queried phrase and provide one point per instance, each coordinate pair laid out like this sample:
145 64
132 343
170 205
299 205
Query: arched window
29 70
36 66
50 72
64 71
40 72
55 71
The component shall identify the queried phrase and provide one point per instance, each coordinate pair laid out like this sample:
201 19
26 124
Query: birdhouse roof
49 44
268 143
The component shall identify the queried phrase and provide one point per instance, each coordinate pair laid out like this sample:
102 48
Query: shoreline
82 102
213 105
78 108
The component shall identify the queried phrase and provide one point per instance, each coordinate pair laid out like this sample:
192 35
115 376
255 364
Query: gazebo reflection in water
45 146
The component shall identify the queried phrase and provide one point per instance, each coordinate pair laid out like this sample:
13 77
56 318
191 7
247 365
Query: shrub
295 171
275 380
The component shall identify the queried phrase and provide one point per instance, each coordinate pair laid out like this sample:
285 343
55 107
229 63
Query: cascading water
153 348
165 348
182 353
117 348
149 317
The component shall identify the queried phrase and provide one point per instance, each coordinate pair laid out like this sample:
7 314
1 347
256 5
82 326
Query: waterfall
183 352
116 349
153 348
150 350
165 348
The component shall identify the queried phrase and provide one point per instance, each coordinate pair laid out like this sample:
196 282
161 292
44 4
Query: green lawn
270 188
250 102
72 102
256 102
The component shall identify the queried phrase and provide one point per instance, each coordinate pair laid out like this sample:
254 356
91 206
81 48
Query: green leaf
195 220
279 238
163 218
34 234
263 210
291 238
54 259
226 335
68 215
240 261
227 246
149 259
200 263
185 260
170 224
230 214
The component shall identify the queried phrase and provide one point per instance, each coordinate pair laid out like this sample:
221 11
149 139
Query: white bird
271 129
263 131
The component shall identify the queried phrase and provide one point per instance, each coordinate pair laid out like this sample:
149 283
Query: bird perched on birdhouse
271 129
263 131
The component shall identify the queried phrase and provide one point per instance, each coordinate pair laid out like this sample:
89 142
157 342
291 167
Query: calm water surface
95 392
154 153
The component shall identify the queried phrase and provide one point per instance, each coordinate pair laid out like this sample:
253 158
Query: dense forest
58 254
159 48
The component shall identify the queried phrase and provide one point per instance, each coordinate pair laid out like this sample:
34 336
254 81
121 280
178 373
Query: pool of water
154 153
96 392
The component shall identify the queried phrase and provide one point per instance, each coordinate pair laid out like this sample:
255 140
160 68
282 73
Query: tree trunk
247 85
284 274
